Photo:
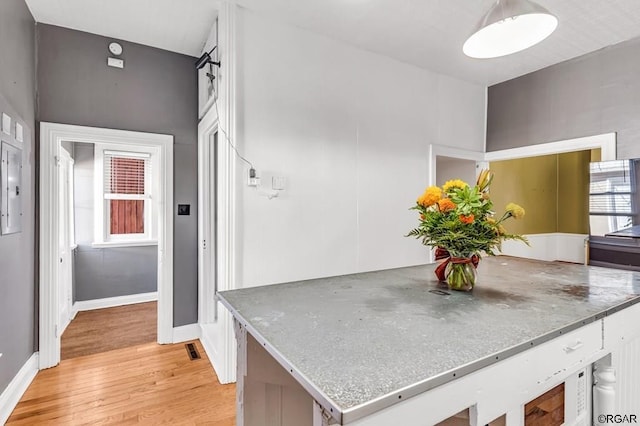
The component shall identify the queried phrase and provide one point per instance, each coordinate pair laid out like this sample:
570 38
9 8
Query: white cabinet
11 184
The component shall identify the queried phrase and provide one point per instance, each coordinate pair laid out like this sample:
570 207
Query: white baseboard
17 387
186 332
67 321
214 356
110 302
553 246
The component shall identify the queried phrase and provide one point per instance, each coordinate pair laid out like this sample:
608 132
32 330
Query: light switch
6 124
115 62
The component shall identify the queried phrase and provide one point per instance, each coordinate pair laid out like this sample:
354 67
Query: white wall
350 131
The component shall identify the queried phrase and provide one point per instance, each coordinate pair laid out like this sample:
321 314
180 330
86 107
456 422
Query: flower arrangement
458 220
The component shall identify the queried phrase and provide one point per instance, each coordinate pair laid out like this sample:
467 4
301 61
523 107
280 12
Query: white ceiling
425 33
176 25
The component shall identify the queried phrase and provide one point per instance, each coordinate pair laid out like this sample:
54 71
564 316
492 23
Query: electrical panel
11 190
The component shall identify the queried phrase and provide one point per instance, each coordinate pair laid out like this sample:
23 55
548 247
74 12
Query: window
612 195
125 209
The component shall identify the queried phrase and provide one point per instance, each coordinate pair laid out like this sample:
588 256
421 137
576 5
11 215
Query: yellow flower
491 221
446 205
501 230
430 196
516 211
455 183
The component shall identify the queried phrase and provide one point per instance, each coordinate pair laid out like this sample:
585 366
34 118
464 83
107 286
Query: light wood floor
103 330
146 384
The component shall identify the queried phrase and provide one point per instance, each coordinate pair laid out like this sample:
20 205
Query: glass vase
461 275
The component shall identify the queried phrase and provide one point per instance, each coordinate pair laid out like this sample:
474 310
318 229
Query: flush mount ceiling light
508 27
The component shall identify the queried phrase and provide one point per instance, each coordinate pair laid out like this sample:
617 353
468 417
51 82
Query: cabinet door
11 182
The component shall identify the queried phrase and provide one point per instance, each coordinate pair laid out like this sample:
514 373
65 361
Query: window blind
612 188
125 175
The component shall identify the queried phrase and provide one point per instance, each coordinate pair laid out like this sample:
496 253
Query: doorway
52 137
216 238
539 248
448 168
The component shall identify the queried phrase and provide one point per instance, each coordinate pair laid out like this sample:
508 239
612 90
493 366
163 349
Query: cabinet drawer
567 351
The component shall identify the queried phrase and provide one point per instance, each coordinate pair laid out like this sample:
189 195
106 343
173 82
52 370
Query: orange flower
431 196
467 219
446 205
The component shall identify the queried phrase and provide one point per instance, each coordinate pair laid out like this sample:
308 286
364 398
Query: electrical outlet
278 183
253 180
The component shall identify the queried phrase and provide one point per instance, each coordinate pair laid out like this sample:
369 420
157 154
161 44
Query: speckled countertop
360 337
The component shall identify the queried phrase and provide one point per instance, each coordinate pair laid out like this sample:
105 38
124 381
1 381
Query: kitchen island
395 347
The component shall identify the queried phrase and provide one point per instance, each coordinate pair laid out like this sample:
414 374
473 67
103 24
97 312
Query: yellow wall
553 189
573 192
531 183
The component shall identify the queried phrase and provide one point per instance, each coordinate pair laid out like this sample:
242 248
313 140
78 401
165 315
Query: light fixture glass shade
508 27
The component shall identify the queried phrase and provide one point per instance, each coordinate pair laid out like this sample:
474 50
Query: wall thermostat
115 48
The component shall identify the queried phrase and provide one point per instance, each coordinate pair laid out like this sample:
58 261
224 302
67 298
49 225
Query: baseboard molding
17 387
64 326
212 353
110 302
186 332
553 246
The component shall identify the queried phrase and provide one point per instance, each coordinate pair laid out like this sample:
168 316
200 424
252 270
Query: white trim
110 302
486 118
215 356
127 154
206 226
216 322
113 244
226 242
185 333
101 209
606 142
551 246
51 136
67 321
17 387
447 151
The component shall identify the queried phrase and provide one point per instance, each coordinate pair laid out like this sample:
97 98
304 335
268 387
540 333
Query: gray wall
593 94
156 92
17 251
104 272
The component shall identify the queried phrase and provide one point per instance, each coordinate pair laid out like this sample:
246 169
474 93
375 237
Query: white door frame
436 151
606 142
219 227
66 273
206 224
51 137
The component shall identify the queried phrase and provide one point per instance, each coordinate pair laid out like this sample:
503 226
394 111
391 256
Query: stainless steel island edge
363 342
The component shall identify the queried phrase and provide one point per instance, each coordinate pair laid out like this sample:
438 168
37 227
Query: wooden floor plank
103 330
145 384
